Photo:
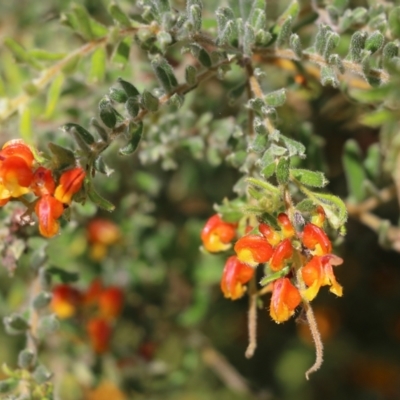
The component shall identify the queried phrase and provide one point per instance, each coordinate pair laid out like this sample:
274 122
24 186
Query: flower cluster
20 174
98 305
276 247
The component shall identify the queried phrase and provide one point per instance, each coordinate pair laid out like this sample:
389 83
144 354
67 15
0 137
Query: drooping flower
315 239
287 228
70 183
101 233
43 182
253 250
284 300
110 302
318 272
217 234
48 209
99 332
236 274
65 301
282 253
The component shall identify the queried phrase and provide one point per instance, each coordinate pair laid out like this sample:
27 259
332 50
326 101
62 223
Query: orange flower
48 210
285 298
99 331
110 302
318 216
70 183
281 254
17 148
318 272
43 182
272 236
315 239
65 301
253 250
101 234
217 234
15 177
235 275
286 226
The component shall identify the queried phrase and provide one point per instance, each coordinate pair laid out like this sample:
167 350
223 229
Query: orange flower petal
110 302
281 254
17 147
314 238
217 234
270 234
48 210
15 177
234 276
284 300
253 250
70 183
43 182
65 301
99 331
288 230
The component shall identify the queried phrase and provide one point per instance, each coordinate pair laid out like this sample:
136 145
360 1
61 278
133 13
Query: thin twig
252 318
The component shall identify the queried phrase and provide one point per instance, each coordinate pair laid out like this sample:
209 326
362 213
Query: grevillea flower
99 331
70 183
110 302
65 301
285 298
315 239
48 209
236 274
217 234
101 233
318 272
253 250
282 253
43 182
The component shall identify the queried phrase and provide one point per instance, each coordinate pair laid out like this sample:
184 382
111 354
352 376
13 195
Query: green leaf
394 22
354 170
149 101
82 21
26 359
25 125
231 210
135 131
85 135
16 322
53 95
372 162
132 106
20 54
388 53
98 65
309 178
191 75
42 300
118 95
377 118
164 73
282 170
274 276
285 32
44 55
8 385
130 90
374 41
334 208
267 187
62 157
119 16
294 147
328 76
99 129
276 98
41 374
121 55
291 11
71 65
357 43
97 199
63 275
102 167
107 113
295 45
306 205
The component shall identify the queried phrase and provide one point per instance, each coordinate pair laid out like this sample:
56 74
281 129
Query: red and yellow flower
101 234
99 331
65 301
110 302
282 254
253 250
284 300
235 275
217 234
48 209
70 183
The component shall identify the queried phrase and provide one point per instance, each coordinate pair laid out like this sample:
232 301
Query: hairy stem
252 318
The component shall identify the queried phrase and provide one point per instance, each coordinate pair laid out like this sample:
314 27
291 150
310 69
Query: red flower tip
282 253
285 298
217 234
110 302
70 183
286 226
315 239
235 275
48 209
99 331
253 250
17 148
65 301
